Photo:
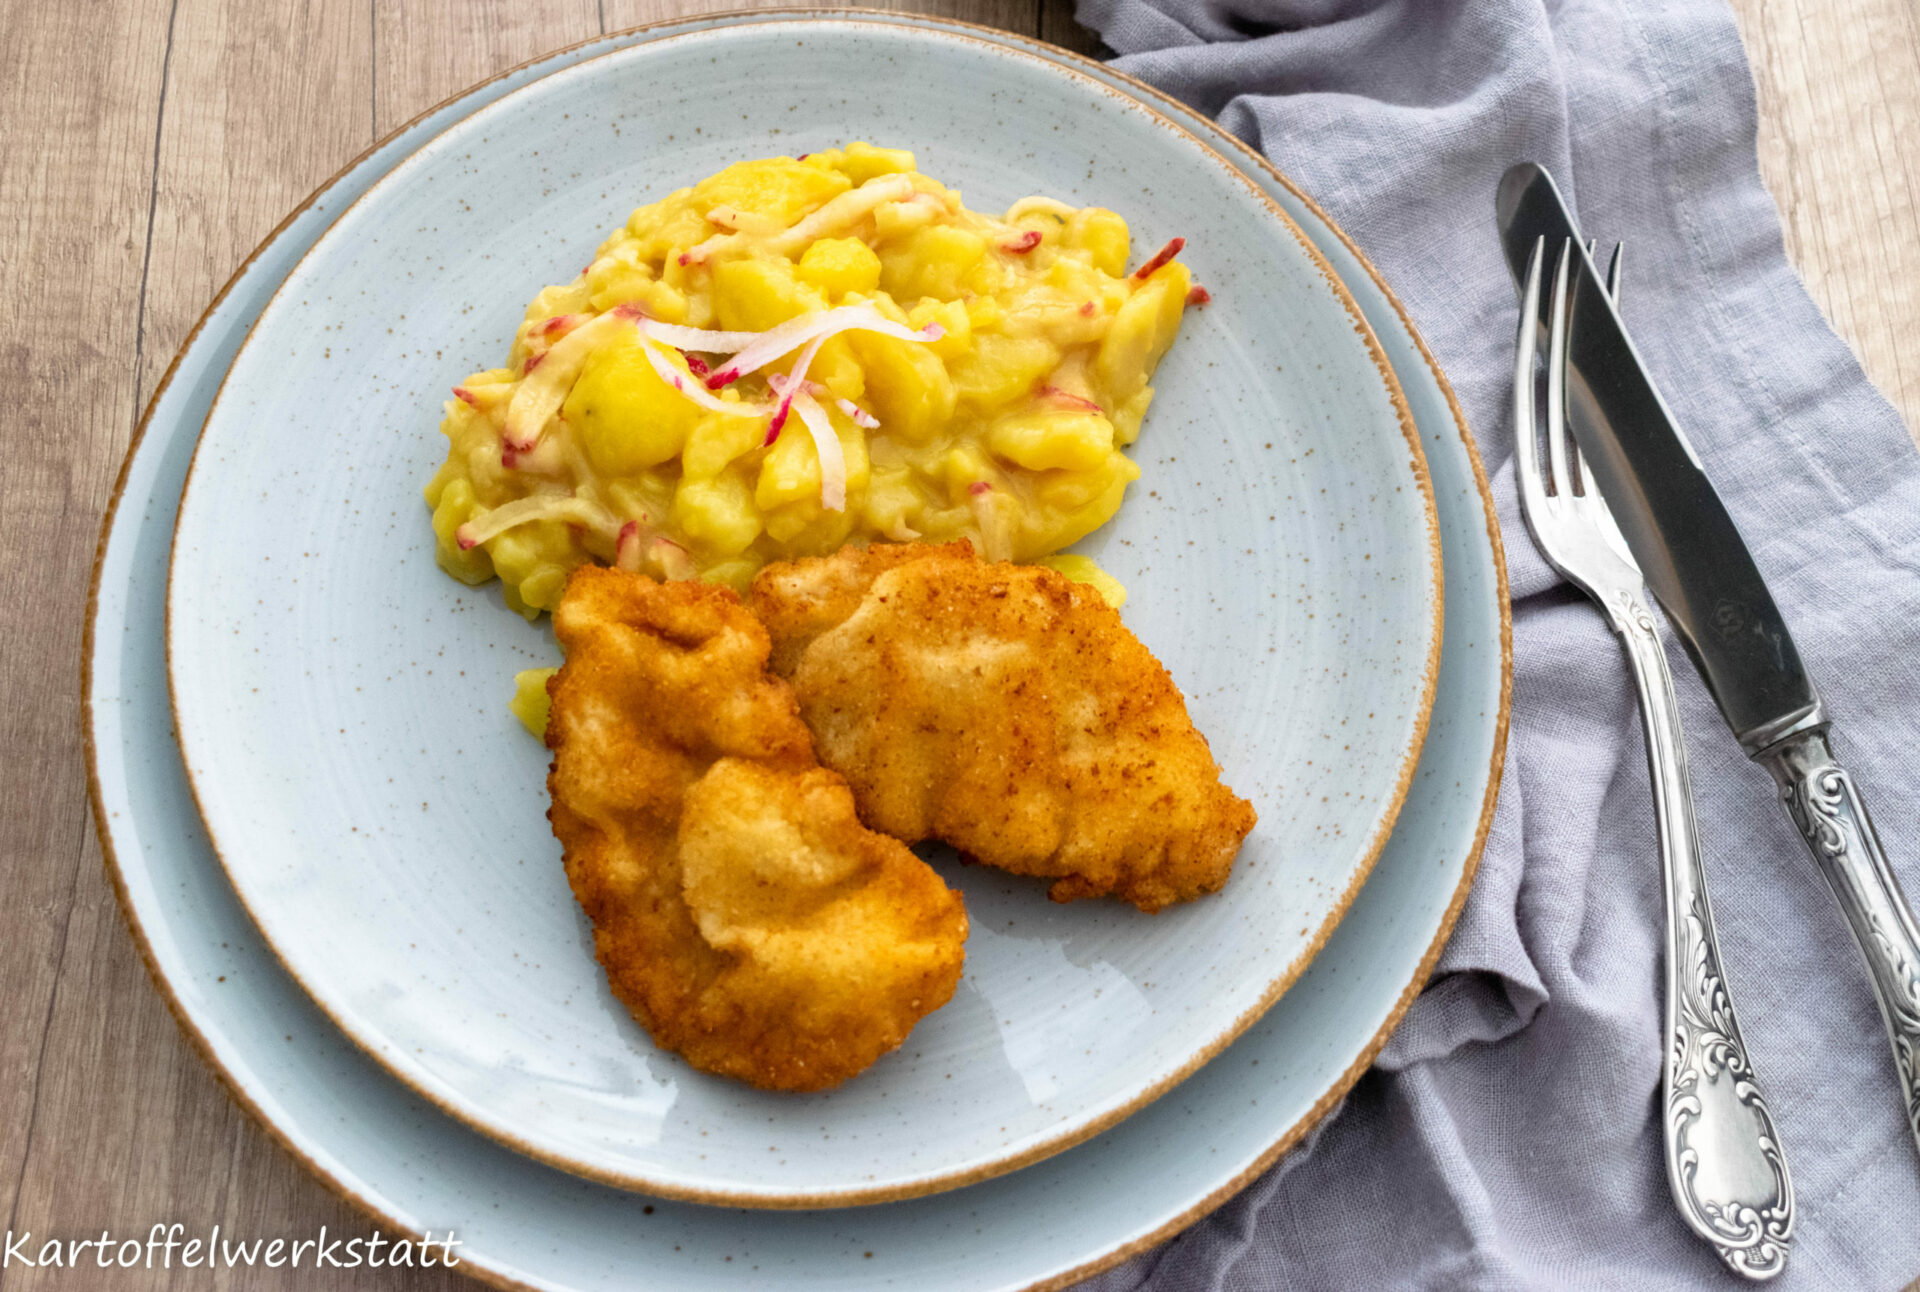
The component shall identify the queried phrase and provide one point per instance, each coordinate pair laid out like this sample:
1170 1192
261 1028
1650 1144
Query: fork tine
1587 486
1526 470
1562 478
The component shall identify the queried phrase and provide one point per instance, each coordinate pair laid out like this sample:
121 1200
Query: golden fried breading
1006 710
740 909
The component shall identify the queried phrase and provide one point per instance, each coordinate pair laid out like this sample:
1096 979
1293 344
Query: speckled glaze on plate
339 700
526 1226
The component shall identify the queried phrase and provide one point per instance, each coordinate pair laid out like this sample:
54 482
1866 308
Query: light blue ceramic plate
339 699
528 1225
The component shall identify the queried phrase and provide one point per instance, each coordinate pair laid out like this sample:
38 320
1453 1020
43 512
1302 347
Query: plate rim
242 1094
1071 1132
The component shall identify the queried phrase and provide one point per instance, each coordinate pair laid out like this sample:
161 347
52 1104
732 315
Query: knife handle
1724 1160
1826 805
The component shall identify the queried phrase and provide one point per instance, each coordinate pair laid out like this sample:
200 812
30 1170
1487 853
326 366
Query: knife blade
1705 578
1675 524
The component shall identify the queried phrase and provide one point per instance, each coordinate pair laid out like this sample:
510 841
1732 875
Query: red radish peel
1059 395
1160 258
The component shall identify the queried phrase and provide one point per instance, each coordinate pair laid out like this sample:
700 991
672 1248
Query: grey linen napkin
1508 1136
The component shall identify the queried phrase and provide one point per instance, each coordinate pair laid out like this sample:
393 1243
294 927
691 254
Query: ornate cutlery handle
1826 805
1724 1160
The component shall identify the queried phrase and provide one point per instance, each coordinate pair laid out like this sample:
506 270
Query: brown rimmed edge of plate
1067 58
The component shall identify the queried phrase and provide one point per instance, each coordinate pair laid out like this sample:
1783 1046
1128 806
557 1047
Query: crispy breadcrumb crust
740 909
1006 710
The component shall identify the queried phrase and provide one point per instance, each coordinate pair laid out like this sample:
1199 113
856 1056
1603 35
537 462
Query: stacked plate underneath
412 1012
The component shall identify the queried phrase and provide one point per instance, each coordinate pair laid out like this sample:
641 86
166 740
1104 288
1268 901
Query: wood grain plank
79 102
1057 25
1839 91
262 102
429 50
1012 15
265 100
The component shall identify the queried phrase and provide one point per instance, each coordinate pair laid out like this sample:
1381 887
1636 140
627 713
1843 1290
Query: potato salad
802 352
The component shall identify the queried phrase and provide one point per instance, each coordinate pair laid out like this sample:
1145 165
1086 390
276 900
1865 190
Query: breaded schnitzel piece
1006 710
740 909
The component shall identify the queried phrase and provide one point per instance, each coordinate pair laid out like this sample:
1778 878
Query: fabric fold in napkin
1508 1137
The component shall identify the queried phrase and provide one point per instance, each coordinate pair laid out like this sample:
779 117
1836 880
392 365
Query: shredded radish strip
833 463
738 221
626 549
539 398
693 338
1021 245
860 416
1198 295
672 558
552 374
855 414
822 324
693 390
521 511
793 384
1160 258
843 211
996 526
1068 397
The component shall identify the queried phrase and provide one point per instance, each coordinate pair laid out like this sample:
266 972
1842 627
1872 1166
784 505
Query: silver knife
1705 579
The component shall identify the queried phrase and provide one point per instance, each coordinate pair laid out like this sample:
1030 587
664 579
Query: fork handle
1724 1160
1826 805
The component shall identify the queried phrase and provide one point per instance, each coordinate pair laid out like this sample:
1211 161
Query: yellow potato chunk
717 441
779 188
1083 569
1075 503
754 295
862 162
455 507
933 261
531 703
907 385
1103 235
718 513
956 326
790 472
1071 440
1003 368
627 418
840 265
1141 333
667 225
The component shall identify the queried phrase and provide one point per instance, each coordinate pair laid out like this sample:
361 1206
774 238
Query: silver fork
1724 1159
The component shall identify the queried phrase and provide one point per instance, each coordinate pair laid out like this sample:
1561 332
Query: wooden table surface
148 145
